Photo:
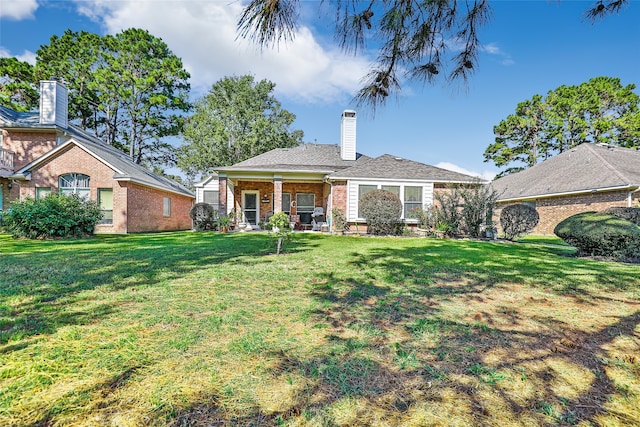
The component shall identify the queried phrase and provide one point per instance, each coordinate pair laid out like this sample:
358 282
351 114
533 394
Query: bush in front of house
478 203
382 210
601 234
55 216
204 217
518 220
279 223
630 214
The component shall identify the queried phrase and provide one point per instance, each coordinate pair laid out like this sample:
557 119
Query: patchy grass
210 329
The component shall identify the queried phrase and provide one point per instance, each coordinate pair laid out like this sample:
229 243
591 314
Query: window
305 203
74 183
412 200
286 203
211 197
362 190
166 206
105 199
395 189
42 192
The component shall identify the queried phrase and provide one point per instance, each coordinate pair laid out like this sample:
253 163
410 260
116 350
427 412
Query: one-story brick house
300 179
589 177
41 152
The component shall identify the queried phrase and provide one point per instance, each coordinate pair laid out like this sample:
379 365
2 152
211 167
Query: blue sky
530 47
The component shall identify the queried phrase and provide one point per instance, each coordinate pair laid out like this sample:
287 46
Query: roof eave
570 193
151 185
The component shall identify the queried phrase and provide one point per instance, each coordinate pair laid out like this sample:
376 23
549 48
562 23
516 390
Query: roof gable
124 169
587 167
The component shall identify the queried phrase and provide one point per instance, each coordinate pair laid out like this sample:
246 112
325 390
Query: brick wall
76 160
27 146
135 208
553 210
287 187
146 210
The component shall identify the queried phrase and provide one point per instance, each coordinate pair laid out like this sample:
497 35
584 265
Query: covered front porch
254 200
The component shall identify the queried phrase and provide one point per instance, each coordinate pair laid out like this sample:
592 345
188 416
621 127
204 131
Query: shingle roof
307 157
11 118
584 168
125 168
392 167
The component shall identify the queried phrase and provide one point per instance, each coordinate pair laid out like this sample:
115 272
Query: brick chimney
54 103
348 135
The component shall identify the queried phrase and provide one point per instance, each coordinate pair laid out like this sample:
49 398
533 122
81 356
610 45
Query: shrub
382 210
340 223
204 217
478 203
55 216
630 214
601 234
449 207
518 220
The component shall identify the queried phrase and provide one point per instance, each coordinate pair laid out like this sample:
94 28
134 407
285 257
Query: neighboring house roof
15 119
585 168
124 168
320 158
396 168
206 180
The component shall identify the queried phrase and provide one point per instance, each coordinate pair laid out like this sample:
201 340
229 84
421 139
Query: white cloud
203 34
494 49
26 56
486 175
18 9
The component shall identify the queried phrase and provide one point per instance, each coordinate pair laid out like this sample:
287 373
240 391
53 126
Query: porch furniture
317 218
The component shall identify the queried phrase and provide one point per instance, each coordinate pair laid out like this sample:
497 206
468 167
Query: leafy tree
601 110
238 119
419 40
18 90
520 138
129 88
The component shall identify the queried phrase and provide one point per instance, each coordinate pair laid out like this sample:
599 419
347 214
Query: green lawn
211 329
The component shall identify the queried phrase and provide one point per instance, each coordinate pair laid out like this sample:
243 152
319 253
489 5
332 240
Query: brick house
41 152
308 177
589 177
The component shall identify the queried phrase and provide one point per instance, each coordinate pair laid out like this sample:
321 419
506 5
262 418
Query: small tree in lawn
517 220
280 228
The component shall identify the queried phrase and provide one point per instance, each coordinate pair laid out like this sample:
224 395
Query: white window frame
166 206
105 221
354 192
75 183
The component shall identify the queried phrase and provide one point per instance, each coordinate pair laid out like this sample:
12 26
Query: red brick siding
287 187
135 208
75 159
146 210
553 210
27 146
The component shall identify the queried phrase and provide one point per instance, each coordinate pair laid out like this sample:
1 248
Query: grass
209 329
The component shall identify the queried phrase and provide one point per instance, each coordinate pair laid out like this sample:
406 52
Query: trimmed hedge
601 234
517 220
55 216
382 210
630 214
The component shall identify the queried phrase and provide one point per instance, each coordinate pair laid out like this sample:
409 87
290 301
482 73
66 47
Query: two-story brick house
41 152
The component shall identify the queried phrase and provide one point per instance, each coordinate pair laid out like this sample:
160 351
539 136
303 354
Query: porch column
222 195
277 194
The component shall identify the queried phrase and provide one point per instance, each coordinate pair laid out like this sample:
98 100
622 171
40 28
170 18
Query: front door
250 207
